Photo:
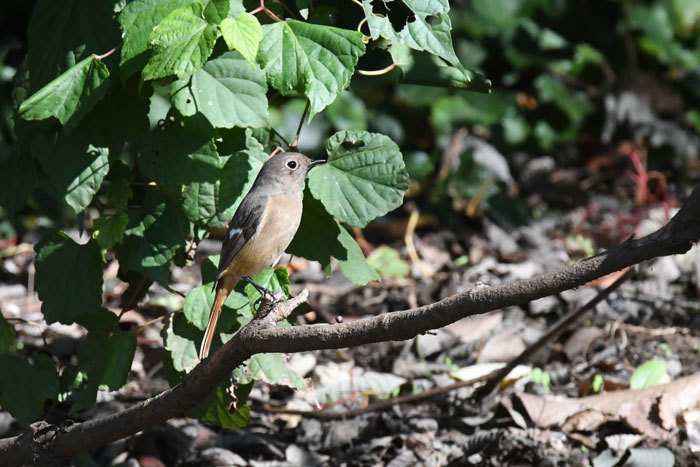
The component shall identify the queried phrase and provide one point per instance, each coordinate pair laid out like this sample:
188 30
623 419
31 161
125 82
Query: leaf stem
105 55
264 9
295 143
383 71
357 2
284 140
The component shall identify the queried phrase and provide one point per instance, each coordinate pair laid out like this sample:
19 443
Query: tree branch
261 336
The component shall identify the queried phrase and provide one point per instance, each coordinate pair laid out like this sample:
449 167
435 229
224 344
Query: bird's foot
262 291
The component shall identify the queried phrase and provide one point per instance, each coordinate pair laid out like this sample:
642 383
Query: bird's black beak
313 164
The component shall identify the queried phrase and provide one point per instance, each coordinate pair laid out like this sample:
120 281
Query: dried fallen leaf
637 415
664 413
502 348
548 411
683 393
471 329
577 345
587 420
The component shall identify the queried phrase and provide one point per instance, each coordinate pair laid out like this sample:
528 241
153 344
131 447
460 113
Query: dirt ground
570 404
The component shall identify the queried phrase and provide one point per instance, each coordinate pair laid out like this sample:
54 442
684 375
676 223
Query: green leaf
309 59
247 157
70 96
218 408
61 34
7 335
353 265
101 321
181 43
215 11
429 29
118 188
227 91
484 109
181 340
320 237
106 361
152 237
179 154
18 179
270 368
648 374
244 34
75 168
138 18
576 105
364 177
387 262
67 296
429 70
186 164
25 388
108 230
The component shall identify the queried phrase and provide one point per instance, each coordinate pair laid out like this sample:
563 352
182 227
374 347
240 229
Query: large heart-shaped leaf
314 60
61 34
67 296
76 170
153 236
106 361
320 237
25 388
227 91
364 178
138 18
181 43
71 95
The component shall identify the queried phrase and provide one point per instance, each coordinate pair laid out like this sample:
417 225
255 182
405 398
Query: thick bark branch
262 337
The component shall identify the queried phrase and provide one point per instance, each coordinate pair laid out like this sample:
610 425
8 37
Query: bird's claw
256 303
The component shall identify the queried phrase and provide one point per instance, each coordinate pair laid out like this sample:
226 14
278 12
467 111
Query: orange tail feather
223 289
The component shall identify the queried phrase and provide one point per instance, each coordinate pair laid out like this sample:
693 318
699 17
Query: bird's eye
292 165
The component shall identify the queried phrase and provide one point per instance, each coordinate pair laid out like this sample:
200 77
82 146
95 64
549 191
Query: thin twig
379 406
410 245
130 303
552 334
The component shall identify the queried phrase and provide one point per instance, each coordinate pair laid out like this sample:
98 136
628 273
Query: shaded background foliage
573 84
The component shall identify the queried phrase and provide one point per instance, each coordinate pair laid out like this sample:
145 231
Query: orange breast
278 225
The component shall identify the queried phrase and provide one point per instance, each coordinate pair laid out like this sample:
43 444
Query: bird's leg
262 291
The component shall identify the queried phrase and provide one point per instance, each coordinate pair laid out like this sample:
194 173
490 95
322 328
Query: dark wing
241 229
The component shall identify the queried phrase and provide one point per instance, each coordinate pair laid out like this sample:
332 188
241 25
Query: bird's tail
223 289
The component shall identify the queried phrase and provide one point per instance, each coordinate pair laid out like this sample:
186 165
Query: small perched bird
261 229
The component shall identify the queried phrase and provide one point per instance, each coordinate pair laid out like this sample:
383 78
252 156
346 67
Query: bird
261 229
